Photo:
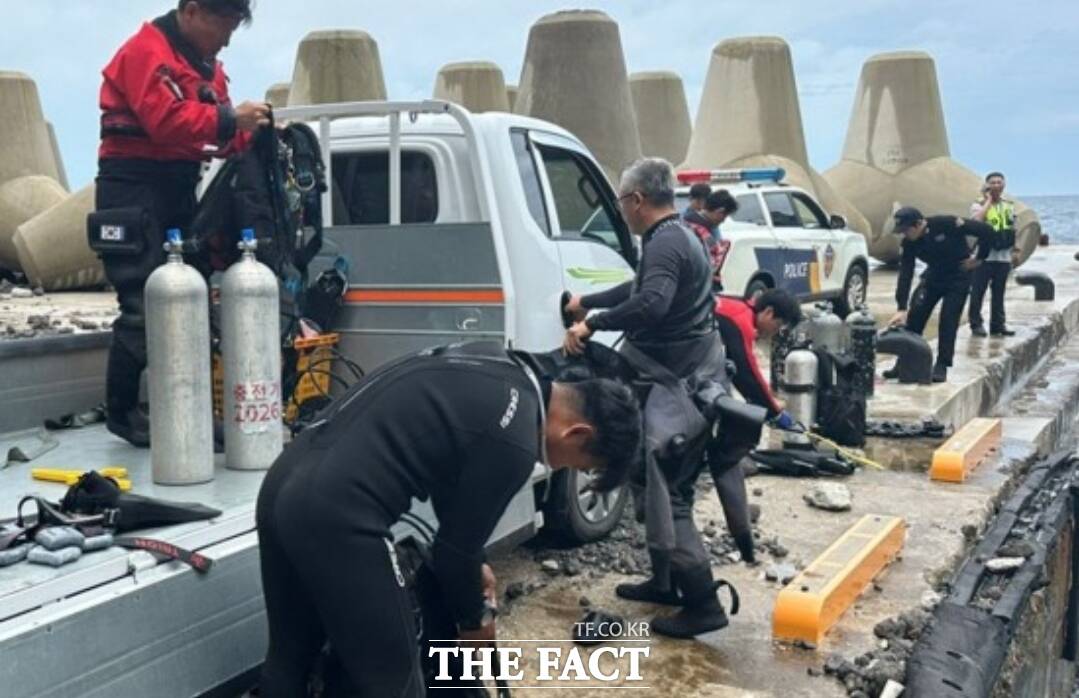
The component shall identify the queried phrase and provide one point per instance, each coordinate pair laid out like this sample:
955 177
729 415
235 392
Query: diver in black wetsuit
463 425
668 316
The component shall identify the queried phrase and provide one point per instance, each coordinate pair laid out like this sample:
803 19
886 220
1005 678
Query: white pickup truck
456 227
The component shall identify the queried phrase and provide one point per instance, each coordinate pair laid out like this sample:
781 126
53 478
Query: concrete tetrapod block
663 123
750 116
277 94
896 153
337 65
52 247
25 148
574 75
20 200
511 96
57 157
749 105
476 85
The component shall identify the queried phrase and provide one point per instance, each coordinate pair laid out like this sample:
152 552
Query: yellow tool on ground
70 477
846 452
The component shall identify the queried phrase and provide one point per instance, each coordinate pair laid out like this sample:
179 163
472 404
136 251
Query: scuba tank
862 346
178 353
826 329
800 386
787 340
251 351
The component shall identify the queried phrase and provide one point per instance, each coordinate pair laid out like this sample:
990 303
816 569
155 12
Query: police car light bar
748 174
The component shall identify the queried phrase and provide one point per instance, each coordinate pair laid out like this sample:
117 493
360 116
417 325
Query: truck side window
783 213
361 183
526 167
582 212
810 215
749 210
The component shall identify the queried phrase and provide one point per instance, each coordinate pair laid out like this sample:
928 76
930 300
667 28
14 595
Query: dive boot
702 611
648 591
659 588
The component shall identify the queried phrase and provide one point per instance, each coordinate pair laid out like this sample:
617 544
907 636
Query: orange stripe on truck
449 296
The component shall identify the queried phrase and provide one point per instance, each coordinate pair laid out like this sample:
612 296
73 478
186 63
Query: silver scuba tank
251 352
800 386
178 353
827 329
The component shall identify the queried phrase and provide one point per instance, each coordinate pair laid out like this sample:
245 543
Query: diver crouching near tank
671 341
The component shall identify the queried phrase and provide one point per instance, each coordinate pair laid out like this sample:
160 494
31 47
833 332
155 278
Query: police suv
780 237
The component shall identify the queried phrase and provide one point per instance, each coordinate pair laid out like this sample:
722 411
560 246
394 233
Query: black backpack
841 408
275 188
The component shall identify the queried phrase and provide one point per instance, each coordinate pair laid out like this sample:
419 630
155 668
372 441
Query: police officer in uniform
999 214
165 109
940 242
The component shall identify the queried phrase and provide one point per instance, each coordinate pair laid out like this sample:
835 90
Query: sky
1007 70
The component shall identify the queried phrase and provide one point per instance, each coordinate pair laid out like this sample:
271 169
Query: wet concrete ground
743 659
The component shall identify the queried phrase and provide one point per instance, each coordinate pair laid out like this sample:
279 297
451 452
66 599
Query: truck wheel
755 288
855 291
575 516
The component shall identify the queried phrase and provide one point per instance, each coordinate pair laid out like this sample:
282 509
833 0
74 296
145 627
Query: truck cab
459 227
495 221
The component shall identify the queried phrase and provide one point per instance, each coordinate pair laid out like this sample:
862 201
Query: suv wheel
855 290
578 516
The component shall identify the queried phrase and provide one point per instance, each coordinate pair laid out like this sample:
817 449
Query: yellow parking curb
815 600
954 460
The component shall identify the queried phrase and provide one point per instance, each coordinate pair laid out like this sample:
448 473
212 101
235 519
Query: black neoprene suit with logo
464 432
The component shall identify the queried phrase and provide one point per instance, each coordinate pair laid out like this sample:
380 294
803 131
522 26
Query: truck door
413 285
797 265
594 244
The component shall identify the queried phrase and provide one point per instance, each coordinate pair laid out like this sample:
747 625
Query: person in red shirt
741 322
165 109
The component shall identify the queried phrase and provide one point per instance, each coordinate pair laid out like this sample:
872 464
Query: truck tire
575 517
855 290
756 287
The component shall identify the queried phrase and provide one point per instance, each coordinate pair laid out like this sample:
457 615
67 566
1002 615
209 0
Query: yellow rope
845 452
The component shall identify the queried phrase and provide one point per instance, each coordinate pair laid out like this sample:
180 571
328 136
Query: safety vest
1001 215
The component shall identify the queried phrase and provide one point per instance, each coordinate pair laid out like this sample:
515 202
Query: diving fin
94 494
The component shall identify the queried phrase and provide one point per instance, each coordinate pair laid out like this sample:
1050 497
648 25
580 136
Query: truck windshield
361 188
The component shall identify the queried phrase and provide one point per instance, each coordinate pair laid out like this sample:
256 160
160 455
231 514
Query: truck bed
119 623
